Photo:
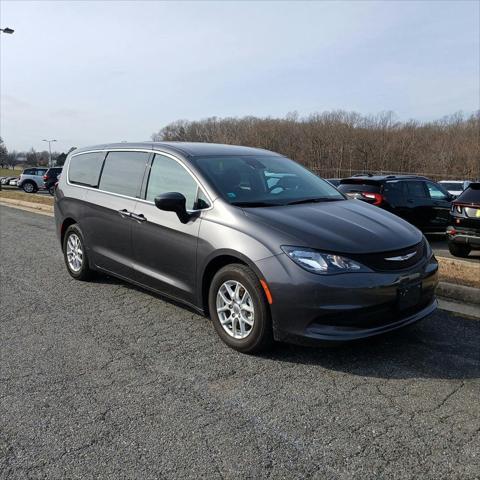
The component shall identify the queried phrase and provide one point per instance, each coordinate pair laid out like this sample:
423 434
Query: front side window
123 173
29 171
265 180
436 193
85 168
167 175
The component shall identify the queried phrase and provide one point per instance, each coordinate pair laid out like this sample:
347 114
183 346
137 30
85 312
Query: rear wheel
51 190
459 250
239 309
29 187
75 254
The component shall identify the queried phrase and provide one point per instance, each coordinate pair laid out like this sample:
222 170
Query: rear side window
394 190
85 168
123 173
167 175
416 189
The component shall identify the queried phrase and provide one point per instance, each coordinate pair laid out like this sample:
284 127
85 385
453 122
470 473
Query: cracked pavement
104 380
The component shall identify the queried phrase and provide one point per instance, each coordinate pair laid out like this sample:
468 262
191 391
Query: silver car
31 180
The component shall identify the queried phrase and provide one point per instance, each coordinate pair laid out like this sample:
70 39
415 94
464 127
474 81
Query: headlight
321 262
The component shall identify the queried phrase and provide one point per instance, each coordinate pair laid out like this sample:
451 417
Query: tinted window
471 194
85 168
416 190
394 190
29 171
436 192
123 172
264 180
167 175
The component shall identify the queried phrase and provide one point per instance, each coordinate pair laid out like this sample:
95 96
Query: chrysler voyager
263 246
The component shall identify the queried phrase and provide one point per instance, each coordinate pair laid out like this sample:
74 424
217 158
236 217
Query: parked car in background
463 233
6 180
418 200
50 178
265 247
31 180
14 182
454 187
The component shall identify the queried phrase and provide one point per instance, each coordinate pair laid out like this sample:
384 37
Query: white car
455 187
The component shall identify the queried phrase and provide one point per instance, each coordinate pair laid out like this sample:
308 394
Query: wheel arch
214 264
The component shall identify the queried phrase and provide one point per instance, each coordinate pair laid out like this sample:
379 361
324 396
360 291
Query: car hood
346 226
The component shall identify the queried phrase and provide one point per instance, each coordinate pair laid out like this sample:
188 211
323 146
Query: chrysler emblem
401 258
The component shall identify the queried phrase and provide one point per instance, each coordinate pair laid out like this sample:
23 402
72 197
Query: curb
459 293
30 205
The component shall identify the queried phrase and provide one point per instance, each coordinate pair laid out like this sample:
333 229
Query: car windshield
260 181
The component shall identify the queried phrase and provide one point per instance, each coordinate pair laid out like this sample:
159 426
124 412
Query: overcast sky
91 72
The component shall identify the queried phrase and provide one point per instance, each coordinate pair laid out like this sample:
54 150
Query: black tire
51 190
29 187
85 273
461 251
260 337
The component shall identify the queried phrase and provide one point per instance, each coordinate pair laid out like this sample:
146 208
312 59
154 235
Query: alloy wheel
74 253
235 309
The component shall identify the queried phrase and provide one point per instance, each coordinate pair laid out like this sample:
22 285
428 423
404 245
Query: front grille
377 261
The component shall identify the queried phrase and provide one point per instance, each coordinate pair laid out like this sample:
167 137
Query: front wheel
239 309
461 251
75 254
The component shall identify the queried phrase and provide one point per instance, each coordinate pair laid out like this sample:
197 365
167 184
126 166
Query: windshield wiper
313 200
254 204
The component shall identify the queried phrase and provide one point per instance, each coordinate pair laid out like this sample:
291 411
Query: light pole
49 151
7 30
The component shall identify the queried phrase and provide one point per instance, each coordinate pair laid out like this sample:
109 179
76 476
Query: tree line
32 158
339 143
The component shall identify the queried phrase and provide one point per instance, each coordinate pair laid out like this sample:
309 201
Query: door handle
140 217
409 200
124 213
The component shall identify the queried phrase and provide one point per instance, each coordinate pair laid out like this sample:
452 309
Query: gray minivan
263 246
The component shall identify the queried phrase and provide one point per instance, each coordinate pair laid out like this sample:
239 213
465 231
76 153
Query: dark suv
418 200
463 233
261 244
51 177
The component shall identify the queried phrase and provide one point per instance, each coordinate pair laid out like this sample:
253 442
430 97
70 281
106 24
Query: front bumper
309 308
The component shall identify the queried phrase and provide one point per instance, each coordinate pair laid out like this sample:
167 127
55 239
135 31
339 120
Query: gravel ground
103 380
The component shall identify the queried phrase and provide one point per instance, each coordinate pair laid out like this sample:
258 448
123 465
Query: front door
165 249
440 202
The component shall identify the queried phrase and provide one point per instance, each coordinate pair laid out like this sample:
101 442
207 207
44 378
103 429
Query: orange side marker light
267 291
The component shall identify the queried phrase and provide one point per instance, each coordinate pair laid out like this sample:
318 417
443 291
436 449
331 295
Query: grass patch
8 172
459 272
27 197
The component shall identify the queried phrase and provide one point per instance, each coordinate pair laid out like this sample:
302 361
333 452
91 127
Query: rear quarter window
85 168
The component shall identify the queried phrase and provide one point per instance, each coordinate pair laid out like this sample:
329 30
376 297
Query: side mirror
173 202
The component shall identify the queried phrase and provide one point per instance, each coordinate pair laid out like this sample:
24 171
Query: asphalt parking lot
103 380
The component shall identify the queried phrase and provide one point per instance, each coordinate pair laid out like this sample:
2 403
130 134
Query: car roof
382 178
191 149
